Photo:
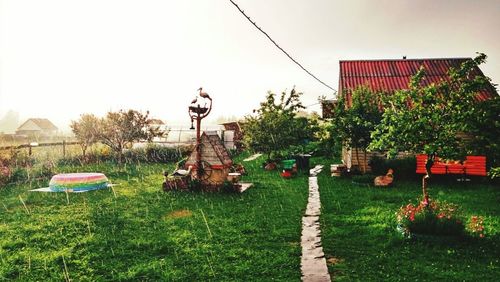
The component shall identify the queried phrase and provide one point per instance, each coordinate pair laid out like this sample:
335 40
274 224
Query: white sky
59 59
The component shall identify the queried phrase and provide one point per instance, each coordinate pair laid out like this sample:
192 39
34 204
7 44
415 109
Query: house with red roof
388 76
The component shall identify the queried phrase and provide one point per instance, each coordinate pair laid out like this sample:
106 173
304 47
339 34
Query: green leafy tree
353 123
118 130
432 119
85 130
484 131
275 127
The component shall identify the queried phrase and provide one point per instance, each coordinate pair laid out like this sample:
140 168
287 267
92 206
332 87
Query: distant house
155 121
37 127
388 76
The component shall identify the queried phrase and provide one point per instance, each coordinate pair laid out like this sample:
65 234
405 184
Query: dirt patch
179 214
334 261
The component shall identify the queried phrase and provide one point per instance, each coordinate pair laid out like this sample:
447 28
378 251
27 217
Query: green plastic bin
288 164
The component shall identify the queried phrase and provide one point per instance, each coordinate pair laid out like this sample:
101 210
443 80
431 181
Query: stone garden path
313 262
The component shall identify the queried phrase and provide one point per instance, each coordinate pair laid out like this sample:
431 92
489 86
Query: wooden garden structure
214 158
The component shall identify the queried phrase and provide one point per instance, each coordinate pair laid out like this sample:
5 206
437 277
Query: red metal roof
392 75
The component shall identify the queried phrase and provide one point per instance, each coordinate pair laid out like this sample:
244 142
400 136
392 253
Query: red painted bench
473 165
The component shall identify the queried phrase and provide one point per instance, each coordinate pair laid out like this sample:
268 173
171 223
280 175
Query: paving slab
245 186
313 262
252 157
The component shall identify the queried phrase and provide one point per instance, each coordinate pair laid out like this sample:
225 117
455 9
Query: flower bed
434 218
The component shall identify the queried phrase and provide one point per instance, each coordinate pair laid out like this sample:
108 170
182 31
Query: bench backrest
473 165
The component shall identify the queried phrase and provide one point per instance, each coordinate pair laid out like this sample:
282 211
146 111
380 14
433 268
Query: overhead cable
279 47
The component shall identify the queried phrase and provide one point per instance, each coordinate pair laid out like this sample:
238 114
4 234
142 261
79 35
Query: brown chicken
384 180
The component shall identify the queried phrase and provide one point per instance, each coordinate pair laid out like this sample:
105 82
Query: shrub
156 154
137 155
160 154
403 168
4 175
98 156
44 170
494 172
19 174
436 218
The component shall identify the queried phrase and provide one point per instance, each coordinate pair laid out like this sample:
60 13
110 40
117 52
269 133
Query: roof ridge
398 60
382 75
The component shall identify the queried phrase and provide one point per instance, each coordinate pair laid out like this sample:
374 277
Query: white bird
182 172
203 94
194 100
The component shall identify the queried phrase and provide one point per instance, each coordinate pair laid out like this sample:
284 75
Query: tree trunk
120 154
357 157
364 161
428 166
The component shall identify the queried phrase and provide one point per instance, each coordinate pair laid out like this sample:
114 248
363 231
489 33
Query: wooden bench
473 165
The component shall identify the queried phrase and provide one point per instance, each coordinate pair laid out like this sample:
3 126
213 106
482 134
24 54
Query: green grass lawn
361 243
139 232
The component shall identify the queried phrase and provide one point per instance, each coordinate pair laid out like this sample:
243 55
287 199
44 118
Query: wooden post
29 150
198 147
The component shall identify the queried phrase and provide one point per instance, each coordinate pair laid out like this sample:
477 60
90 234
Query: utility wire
276 44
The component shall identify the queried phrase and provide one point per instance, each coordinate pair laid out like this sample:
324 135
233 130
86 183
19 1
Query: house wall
350 157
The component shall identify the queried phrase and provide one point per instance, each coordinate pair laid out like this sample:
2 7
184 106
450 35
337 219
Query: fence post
29 150
64 148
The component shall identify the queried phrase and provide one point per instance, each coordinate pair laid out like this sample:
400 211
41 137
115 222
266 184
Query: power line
317 103
276 44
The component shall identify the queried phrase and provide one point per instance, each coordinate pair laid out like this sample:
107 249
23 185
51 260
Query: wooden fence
34 145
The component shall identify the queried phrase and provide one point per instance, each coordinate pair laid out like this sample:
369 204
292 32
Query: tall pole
198 113
198 146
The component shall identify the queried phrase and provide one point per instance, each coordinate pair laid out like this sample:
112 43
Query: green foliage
403 168
429 119
150 154
483 128
437 218
155 154
18 175
118 130
494 172
354 121
276 126
85 130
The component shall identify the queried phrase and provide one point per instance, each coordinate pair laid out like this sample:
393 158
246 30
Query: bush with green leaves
403 168
494 173
276 126
355 119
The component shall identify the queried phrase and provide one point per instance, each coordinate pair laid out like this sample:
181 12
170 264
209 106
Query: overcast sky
59 59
